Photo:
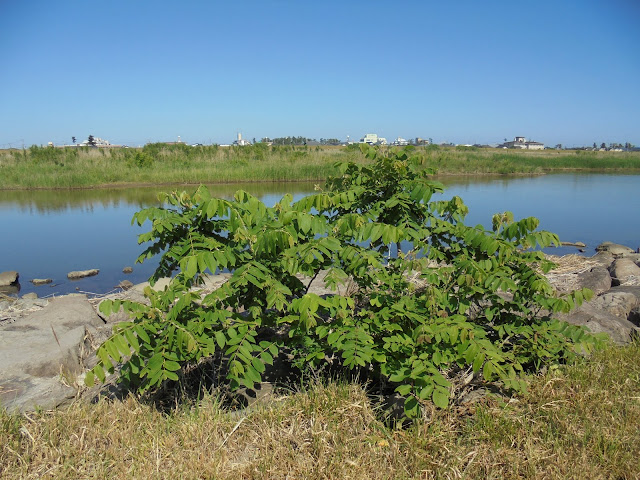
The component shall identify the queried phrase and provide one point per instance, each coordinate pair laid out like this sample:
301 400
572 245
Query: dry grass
580 422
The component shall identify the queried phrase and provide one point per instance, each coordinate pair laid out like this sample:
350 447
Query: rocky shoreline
46 345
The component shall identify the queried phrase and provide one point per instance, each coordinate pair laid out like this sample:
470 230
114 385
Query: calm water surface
46 234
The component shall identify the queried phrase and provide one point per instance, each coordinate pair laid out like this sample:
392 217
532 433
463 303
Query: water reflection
86 200
46 234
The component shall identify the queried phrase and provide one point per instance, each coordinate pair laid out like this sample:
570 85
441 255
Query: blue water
588 208
46 234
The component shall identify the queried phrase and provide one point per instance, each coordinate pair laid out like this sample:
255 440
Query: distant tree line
611 146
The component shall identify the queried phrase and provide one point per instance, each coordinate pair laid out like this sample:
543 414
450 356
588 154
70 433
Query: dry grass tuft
577 422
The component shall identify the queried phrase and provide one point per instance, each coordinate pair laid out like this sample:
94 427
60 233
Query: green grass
158 164
483 161
575 422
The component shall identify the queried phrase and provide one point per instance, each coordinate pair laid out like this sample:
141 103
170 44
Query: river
46 234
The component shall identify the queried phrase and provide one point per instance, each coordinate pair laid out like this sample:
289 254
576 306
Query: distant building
97 142
241 142
523 143
370 138
179 142
373 139
401 142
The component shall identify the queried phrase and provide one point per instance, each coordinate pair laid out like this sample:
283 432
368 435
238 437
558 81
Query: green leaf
89 379
99 371
404 390
171 365
142 334
258 365
266 358
412 407
122 345
191 266
440 398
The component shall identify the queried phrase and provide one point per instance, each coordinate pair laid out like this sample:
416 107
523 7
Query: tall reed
83 167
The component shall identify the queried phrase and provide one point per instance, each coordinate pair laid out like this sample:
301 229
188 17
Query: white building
370 138
401 142
98 142
523 143
241 141
373 139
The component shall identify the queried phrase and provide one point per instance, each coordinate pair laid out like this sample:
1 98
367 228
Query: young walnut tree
430 295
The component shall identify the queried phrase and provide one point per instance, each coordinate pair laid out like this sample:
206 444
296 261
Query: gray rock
42 353
119 316
613 248
603 258
635 257
573 244
124 285
127 270
82 274
30 296
6 303
24 303
620 330
633 289
618 303
41 281
597 279
623 268
575 272
9 278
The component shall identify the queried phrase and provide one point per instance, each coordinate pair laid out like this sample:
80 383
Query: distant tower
239 137
179 141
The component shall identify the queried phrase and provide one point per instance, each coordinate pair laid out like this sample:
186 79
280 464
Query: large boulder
620 330
615 249
595 278
42 353
9 278
624 269
619 303
75 275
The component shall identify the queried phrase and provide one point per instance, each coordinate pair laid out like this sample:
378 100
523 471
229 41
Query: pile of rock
47 346
613 274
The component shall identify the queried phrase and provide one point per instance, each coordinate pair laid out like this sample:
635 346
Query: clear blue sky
465 71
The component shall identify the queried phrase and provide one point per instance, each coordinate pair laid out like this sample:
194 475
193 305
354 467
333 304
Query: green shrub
430 295
143 160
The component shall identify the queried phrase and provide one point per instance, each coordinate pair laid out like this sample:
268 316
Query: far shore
44 168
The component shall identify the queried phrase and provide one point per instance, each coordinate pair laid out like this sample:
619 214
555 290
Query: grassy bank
155 164
577 422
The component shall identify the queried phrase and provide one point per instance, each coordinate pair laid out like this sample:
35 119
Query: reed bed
575 422
157 164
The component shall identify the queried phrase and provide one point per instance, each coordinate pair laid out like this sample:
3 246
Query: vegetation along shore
159 163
